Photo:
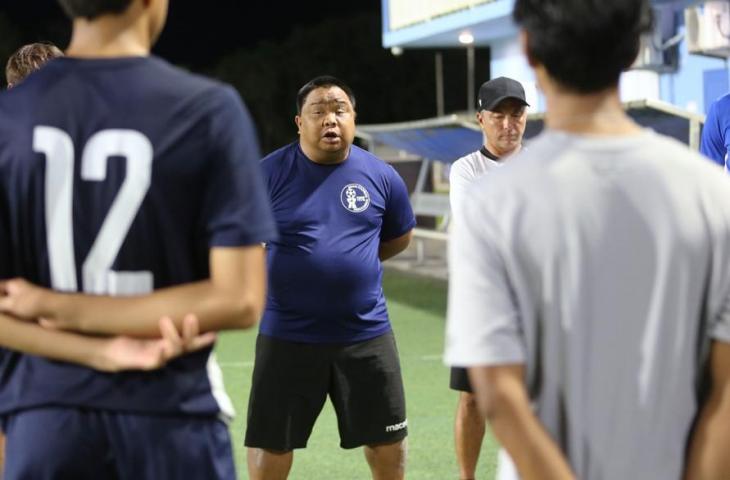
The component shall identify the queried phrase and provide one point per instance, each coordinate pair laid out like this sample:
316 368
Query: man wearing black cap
502 114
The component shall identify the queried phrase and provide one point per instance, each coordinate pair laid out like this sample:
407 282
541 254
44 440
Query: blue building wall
697 83
689 88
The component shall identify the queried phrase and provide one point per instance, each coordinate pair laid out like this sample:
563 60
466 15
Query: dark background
269 55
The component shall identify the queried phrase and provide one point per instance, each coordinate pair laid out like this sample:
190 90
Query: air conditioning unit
708 28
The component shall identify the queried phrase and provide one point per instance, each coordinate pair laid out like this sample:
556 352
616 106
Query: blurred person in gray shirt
590 275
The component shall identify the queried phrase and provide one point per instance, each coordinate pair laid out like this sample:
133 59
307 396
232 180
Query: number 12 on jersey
98 277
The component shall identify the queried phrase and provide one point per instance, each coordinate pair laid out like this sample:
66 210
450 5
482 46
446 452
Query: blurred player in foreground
590 276
122 175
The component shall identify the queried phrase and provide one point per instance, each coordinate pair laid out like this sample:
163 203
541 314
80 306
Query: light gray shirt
602 265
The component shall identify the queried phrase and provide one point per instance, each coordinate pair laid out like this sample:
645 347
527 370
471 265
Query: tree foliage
387 88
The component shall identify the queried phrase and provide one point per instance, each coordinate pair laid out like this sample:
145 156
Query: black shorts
460 380
291 382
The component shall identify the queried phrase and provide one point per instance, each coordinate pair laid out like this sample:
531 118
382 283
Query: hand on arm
233 297
504 402
708 458
111 354
393 247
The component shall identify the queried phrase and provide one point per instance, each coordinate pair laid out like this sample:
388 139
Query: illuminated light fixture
396 51
466 38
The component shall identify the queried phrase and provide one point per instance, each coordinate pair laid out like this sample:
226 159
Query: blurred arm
233 297
710 444
111 354
504 402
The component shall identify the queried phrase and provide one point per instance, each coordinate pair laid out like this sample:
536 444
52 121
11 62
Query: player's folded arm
232 298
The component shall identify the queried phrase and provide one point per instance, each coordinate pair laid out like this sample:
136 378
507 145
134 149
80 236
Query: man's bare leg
268 464
387 461
469 429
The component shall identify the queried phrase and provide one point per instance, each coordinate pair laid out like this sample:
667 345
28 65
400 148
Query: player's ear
298 122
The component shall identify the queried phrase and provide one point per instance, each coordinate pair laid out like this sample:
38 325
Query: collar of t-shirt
488 154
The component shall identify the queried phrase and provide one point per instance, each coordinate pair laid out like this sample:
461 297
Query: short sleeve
483 323
720 286
713 135
237 210
398 218
717 212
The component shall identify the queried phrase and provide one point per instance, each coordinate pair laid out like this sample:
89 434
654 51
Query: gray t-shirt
603 265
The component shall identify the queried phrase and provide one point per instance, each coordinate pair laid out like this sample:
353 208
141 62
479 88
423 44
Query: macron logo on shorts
397 426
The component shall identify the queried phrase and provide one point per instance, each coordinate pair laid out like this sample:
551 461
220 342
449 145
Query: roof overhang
487 22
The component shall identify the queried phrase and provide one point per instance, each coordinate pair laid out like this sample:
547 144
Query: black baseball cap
498 89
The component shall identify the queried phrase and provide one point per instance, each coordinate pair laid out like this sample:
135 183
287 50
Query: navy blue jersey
117 177
324 272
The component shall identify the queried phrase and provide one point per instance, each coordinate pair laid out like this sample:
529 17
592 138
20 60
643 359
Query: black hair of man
584 44
91 9
324 81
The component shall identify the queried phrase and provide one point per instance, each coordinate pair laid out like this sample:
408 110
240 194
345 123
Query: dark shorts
66 443
460 380
291 382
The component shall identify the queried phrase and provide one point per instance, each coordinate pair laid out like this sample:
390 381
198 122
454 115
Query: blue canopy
442 139
446 139
445 144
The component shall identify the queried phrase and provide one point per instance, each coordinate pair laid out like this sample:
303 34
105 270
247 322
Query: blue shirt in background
324 272
716 132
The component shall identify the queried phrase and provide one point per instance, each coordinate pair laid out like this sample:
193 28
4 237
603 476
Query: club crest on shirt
355 198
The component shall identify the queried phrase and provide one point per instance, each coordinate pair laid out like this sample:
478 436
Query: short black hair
322 81
90 9
584 44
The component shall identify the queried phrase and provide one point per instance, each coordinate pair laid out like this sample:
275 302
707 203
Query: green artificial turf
417 307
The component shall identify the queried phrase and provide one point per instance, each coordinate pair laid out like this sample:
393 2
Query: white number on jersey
58 148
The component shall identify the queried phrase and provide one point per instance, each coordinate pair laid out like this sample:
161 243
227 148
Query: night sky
269 55
197 32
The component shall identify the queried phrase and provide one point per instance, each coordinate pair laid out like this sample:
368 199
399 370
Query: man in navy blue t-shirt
340 212
131 180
